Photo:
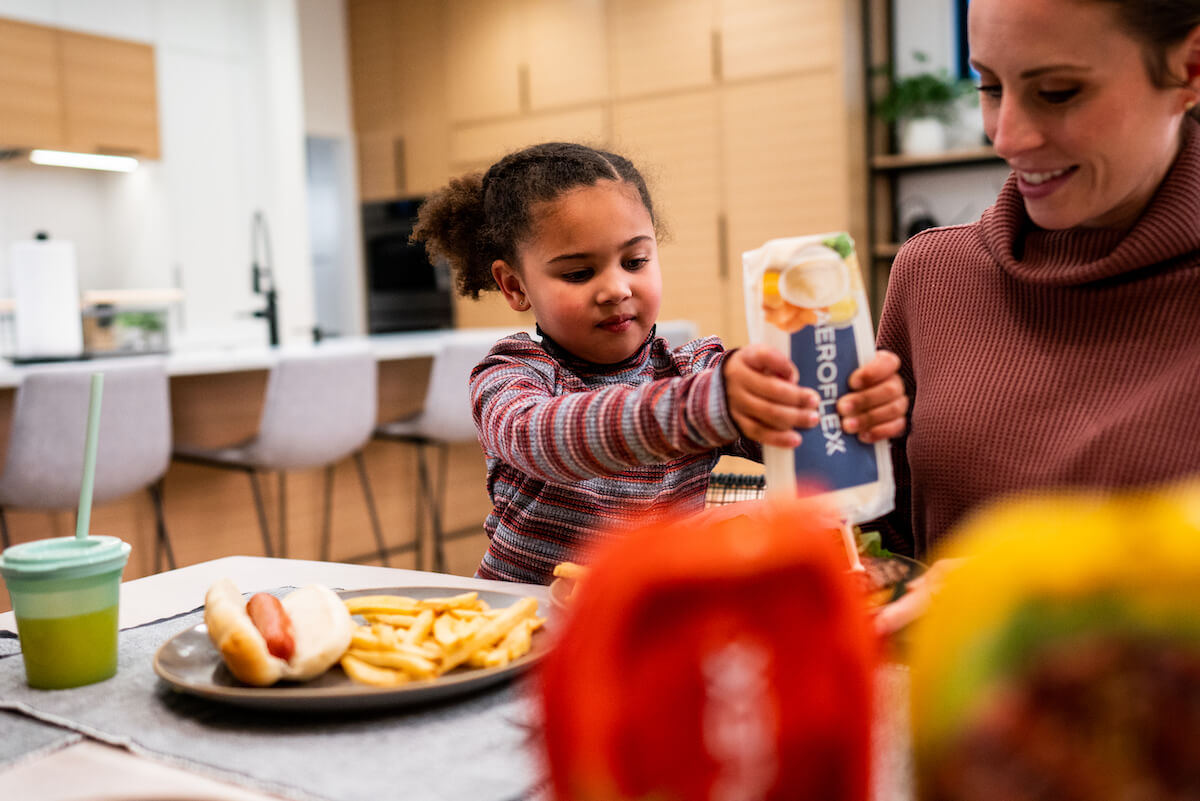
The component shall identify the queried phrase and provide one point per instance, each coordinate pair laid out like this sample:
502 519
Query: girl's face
1069 104
589 271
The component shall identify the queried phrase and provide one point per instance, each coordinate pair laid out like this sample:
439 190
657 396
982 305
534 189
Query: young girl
599 426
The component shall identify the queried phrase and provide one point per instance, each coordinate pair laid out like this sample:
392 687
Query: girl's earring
1189 105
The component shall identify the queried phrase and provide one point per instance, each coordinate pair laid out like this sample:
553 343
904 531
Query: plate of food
885 575
883 579
319 650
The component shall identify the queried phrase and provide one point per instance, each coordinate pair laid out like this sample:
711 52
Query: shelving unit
884 165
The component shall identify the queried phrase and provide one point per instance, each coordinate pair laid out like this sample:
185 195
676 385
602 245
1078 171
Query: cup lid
63 557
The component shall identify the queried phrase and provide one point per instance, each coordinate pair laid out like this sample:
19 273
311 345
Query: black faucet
262 278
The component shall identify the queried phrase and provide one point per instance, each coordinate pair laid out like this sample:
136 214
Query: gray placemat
26 738
468 748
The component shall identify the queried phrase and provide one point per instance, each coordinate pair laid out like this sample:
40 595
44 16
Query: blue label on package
825 357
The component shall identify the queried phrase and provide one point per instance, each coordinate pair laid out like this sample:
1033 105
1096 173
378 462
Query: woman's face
1069 104
590 272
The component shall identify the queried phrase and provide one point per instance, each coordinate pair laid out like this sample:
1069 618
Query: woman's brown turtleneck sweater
1046 359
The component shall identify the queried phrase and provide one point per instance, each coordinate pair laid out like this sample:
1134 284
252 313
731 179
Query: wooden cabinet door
31 112
785 166
566 54
109 95
374 75
397 52
661 45
484 51
673 141
772 37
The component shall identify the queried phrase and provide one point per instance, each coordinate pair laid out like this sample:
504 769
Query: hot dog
269 617
265 640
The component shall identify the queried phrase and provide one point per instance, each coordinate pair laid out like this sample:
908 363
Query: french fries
567 576
409 639
569 570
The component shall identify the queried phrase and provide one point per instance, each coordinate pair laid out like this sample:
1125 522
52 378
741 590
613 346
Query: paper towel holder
47 322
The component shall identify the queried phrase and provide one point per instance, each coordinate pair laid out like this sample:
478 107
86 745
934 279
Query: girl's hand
876 406
764 399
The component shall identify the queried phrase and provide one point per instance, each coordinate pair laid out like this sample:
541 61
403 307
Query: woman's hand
916 599
764 400
875 407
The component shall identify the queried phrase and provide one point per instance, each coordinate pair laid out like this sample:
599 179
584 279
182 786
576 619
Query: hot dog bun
321 627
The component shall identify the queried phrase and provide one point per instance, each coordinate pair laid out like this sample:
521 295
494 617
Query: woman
1051 343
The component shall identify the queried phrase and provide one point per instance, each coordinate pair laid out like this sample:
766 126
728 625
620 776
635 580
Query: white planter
922 136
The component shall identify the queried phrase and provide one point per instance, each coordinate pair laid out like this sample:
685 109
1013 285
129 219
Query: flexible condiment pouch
804 296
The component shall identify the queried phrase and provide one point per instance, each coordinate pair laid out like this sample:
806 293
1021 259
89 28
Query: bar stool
319 408
677 332
445 419
43 466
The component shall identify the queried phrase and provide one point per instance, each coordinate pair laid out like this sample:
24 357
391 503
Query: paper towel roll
45 288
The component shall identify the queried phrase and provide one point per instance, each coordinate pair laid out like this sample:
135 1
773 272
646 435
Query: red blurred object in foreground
717 659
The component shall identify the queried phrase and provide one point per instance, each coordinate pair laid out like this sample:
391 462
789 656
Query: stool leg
4 540
430 500
439 498
361 463
163 542
262 512
283 549
327 523
419 517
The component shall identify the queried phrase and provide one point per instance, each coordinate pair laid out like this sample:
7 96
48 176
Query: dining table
139 735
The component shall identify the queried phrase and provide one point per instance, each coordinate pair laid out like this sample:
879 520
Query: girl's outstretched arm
525 418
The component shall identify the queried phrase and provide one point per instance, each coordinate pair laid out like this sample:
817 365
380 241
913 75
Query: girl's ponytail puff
451 223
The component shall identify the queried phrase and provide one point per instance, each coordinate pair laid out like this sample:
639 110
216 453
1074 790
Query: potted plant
922 104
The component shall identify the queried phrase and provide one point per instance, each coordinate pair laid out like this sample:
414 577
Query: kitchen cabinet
671 140
785 164
661 46
507 57
742 114
75 91
761 38
30 86
110 99
400 98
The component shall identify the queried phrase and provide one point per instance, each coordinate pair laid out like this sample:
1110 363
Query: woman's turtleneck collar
583 367
1169 227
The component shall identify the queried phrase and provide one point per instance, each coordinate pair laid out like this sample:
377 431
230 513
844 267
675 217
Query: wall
231 114
334 220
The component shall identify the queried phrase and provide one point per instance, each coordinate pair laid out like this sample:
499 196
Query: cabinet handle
722 247
524 99
718 63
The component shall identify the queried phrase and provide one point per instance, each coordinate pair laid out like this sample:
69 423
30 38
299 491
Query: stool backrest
43 466
319 408
677 332
447 415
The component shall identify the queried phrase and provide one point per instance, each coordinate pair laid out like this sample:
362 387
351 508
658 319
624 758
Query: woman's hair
479 218
1159 25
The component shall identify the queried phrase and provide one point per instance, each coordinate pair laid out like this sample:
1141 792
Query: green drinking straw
84 517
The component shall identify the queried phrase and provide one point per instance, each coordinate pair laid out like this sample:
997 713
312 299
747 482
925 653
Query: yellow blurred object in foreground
1080 569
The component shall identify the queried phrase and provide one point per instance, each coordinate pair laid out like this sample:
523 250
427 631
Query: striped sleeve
526 423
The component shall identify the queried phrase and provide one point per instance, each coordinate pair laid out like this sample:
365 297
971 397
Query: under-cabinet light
87 161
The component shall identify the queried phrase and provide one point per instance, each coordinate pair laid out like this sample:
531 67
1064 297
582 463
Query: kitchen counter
208 361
